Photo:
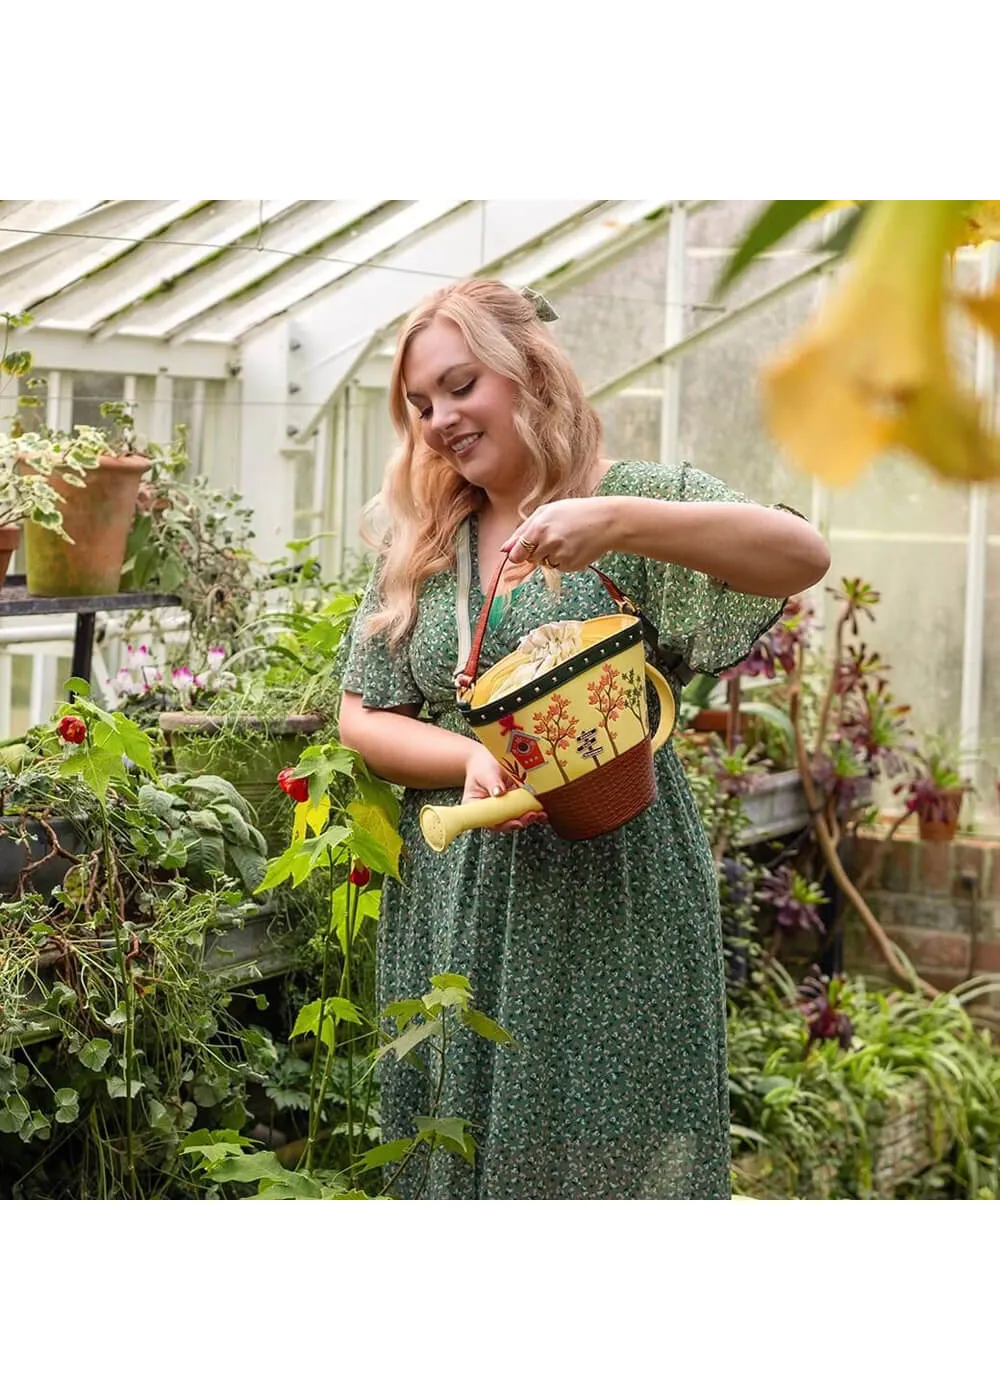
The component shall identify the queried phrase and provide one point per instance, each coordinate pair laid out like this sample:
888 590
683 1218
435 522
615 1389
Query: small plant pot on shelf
249 751
938 821
10 538
97 517
711 721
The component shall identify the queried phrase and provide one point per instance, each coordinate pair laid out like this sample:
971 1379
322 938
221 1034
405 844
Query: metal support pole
196 428
83 645
673 332
977 548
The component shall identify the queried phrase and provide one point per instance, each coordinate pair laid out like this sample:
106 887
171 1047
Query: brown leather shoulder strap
470 670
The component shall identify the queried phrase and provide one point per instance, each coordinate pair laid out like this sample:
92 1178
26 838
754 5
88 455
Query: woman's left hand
565 535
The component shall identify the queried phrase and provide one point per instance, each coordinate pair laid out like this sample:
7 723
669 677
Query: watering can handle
469 672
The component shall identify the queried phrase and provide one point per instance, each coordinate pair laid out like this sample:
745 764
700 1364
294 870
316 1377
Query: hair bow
544 309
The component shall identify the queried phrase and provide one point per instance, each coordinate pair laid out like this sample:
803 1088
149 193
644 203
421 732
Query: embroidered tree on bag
556 726
635 694
607 696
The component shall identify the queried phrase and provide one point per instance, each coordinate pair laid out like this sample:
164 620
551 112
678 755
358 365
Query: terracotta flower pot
711 721
10 536
97 517
940 822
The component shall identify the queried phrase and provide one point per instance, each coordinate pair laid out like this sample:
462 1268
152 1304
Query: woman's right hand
485 777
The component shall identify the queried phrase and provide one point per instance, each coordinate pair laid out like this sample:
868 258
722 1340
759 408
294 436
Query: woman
603 957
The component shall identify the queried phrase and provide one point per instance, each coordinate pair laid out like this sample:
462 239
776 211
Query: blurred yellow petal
871 371
985 310
944 427
981 223
824 425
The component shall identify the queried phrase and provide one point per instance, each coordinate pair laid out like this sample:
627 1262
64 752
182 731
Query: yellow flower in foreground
981 223
872 371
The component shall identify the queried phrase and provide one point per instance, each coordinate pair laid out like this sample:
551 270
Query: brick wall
939 901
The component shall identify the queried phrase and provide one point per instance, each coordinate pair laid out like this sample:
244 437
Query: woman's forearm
402 749
754 549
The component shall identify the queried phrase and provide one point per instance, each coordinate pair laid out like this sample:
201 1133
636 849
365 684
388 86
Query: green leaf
76 686
773 224
293 1186
750 1134
373 839
250 866
67 1105
160 1119
451 1133
15 1113
410 1039
842 238
211 1137
380 1156
116 1020
155 801
117 1089
451 979
279 869
307 1022
94 1054
344 1010
233 826
213 786
487 1027
8 1074
772 715
403 1012
301 858
208 1090
376 793
250 1166
94 766
171 574
446 996
370 904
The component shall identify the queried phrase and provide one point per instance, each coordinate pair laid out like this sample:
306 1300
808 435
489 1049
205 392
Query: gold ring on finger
529 546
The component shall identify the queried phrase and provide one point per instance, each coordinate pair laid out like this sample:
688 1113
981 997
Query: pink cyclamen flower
124 682
216 656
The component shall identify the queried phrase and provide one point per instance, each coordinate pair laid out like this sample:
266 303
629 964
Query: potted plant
189 539
28 461
30 495
87 559
74 538
935 792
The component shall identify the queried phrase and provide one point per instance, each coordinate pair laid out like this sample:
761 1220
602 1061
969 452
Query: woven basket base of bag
604 800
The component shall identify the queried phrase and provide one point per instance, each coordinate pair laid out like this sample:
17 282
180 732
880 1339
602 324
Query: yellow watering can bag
566 715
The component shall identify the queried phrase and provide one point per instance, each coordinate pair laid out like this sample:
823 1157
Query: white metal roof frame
146 286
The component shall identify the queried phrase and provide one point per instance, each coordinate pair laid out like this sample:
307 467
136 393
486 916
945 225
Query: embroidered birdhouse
524 749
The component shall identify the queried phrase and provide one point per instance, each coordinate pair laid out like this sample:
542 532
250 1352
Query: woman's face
466 410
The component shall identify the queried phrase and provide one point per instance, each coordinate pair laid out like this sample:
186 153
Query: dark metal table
16 601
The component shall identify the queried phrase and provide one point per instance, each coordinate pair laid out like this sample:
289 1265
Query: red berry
360 875
297 788
72 729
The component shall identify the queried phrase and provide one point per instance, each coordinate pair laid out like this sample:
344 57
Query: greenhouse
193 856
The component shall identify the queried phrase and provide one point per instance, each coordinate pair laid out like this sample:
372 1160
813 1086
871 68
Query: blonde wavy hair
424 499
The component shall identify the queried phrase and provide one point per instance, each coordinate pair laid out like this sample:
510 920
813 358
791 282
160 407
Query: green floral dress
602 958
